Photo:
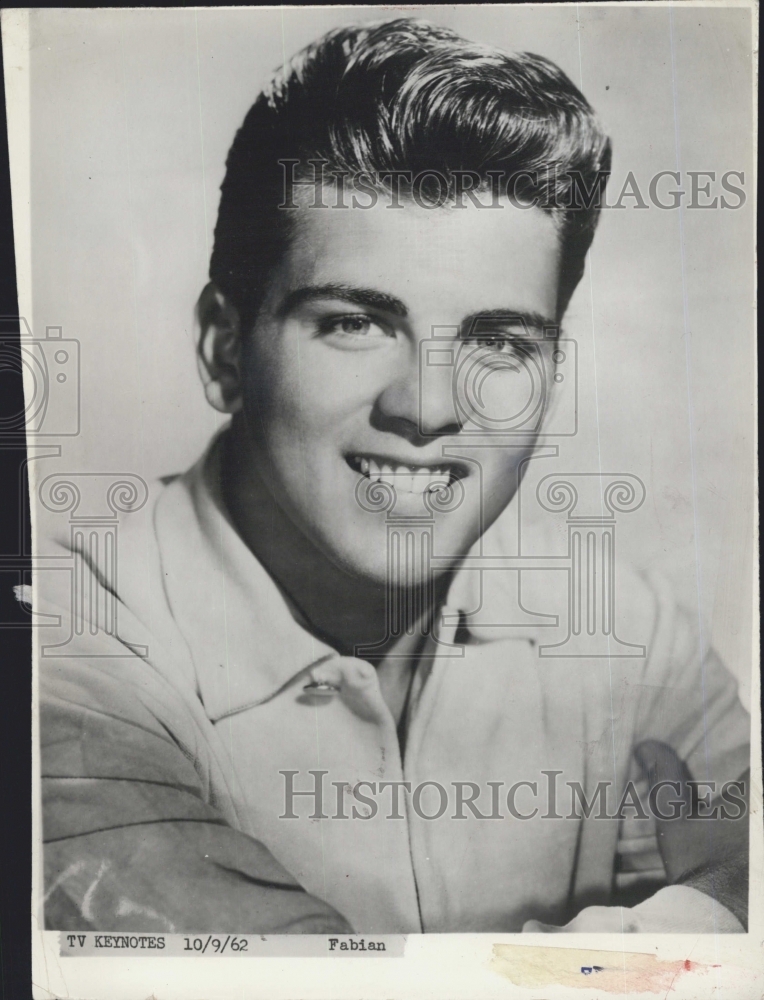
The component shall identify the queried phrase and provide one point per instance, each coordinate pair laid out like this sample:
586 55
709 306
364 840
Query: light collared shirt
210 723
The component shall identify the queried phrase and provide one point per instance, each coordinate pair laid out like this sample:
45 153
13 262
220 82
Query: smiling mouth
417 479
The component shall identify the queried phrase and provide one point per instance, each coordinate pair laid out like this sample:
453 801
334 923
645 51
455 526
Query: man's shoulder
104 595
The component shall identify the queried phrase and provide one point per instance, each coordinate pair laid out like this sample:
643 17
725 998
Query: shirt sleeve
688 699
132 837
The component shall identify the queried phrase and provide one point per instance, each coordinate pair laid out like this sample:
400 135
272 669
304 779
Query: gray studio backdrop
133 111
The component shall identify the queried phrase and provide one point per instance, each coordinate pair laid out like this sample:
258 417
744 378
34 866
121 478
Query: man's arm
131 838
689 723
704 851
184 876
706 847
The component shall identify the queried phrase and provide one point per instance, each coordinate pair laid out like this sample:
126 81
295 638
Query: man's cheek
496 485
292 411
490 495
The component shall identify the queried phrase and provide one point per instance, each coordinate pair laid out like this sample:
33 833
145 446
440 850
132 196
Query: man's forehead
345 214
478 255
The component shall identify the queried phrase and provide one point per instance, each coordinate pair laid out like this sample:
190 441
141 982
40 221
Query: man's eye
355 324
496 343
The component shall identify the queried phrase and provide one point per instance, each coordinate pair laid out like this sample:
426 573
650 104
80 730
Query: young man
311 672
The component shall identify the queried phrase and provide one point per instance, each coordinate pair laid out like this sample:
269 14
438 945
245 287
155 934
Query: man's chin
400 558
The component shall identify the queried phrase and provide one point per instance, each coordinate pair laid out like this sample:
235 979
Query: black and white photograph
390 444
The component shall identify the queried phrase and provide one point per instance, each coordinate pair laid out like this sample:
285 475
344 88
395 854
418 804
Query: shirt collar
246 640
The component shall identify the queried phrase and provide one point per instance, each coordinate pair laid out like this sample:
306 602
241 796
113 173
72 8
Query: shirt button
322 689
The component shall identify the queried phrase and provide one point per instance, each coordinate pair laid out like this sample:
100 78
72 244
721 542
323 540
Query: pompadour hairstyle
405 95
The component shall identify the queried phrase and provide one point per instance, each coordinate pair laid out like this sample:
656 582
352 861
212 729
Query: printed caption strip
210 945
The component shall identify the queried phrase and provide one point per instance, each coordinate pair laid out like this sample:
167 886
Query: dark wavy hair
405 95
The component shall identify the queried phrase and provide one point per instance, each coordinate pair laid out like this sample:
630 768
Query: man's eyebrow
370 298
530 319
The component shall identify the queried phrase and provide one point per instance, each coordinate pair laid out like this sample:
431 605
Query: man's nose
420 403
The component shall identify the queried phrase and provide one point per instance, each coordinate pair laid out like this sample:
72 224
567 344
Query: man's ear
219 350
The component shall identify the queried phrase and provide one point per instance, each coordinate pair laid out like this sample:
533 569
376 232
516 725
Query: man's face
344 386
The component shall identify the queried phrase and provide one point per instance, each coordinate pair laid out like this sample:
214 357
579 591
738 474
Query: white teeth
405 482
405 478
420 481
